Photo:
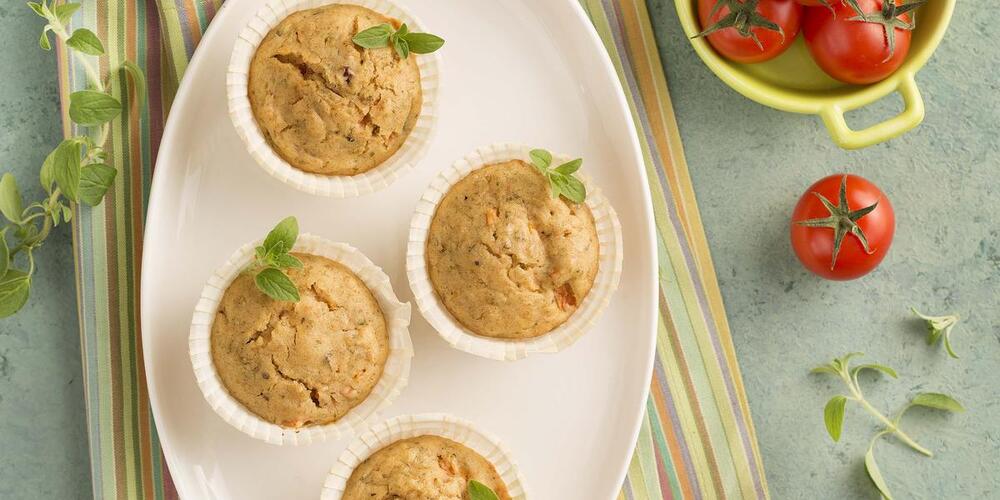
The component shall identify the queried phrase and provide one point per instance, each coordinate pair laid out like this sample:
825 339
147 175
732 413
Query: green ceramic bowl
793 82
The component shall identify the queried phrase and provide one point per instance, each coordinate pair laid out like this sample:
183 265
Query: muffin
325 105
302 363
426 466
506 258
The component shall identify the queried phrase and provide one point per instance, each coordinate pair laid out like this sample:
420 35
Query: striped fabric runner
697 440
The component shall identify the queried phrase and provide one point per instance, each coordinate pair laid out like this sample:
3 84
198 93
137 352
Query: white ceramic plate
522 71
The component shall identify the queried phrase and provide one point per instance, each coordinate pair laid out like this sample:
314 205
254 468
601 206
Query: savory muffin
424 467
301 363
326 105
506 258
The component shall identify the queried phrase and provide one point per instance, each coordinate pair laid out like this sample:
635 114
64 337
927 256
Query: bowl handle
912 115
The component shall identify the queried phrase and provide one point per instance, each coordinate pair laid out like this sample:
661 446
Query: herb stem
88 68
890 426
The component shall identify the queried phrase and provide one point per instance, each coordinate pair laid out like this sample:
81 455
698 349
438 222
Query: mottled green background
749 165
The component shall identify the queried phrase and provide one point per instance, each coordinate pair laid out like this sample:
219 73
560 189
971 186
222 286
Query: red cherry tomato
738 47
855 51
864 214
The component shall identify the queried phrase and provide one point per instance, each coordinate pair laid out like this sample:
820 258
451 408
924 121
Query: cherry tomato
741 46
854 51
859 214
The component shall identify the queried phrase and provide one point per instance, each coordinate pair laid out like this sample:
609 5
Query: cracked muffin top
507 259
422 468
326 105
302 363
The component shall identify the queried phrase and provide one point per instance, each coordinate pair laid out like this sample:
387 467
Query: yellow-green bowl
793 82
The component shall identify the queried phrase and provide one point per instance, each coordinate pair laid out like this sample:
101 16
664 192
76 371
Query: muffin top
422 468
326 105
506 258
302 363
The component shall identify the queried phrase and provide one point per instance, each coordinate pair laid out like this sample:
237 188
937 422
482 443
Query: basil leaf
45 175
541 158
402 31
833 416
37 7
570 167
402 48
66 168
424 43
4 255
286 261
86 41
882 368
67 213
374 37
284 234
14 289
479 491
89 107
570 187
65 11
44 42
95 180
277 285
138 80
874 473
11 203
937 401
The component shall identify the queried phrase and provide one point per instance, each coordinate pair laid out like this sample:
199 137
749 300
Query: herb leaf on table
939 328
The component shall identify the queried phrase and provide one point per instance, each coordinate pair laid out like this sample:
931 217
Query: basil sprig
560 178
479 491
402 40
272 258
75 172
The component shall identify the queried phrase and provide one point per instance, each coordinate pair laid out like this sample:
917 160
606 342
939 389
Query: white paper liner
266 18
395 374
609 272
408 426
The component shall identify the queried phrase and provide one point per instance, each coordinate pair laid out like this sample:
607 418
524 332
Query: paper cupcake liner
266 18
408 426
395 374
609 272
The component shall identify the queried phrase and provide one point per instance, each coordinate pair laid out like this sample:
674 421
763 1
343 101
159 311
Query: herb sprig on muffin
403 40
479 491
273 258
560 178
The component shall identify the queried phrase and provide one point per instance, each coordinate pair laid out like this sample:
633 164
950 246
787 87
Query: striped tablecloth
698 439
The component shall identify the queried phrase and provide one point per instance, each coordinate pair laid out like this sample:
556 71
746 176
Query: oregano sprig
402 40
272 259
479 491
833 413
75 172
561 178
939 329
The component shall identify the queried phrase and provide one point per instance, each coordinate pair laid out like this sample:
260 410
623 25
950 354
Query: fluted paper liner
609 272
395 374
408 426
266 18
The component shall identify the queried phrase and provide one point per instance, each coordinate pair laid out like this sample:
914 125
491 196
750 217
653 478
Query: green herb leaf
402 31
14 289
479 491
67 213
44 42
937 401
402 47
287 261
86 41
37 7
570 187
541 158
282 238
277 285
4 255
825 369
11 203
45 175
65 11
66 168
873 471
874 366
374 37
424 43
138 80
570 167
833 416
95 179
89 107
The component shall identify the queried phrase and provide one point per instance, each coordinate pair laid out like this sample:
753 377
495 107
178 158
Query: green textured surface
43 435
749 165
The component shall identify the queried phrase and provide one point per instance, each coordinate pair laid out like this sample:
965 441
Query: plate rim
170 129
